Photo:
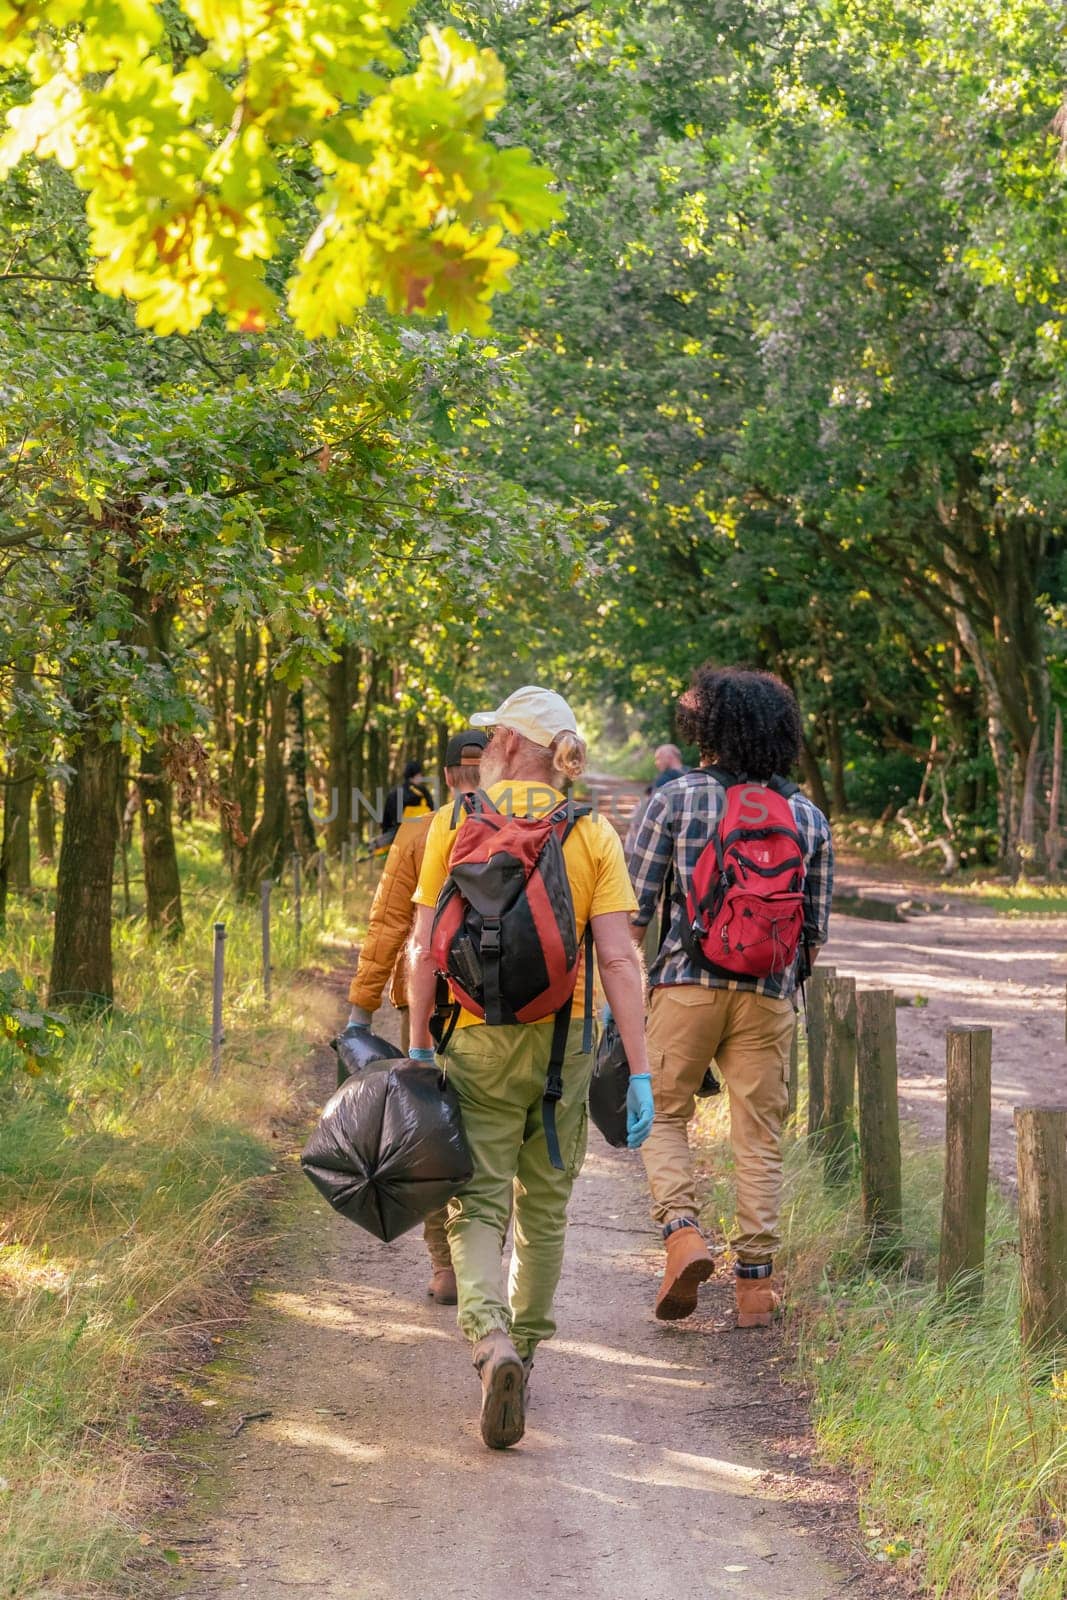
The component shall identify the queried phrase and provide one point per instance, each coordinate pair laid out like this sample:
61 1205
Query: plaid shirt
681 819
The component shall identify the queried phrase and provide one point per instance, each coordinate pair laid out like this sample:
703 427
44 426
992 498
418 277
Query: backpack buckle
490 940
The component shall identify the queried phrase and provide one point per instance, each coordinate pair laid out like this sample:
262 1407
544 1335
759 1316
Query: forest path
368 1480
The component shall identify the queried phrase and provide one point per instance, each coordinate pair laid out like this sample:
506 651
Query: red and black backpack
504 930
745 905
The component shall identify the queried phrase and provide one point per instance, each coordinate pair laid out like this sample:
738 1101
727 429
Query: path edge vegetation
954 1436
140 1197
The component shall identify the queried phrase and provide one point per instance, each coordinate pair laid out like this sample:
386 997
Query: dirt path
368 1480
971 968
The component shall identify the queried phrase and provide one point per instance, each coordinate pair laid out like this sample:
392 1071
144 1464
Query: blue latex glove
605 1014
640 1109
420 1053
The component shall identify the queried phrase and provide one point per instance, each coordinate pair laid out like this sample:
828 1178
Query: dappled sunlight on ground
370 1459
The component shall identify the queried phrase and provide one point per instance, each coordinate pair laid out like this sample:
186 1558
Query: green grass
956 1436
886 847
133 1189
1021 899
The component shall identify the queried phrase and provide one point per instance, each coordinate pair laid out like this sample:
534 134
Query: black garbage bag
607 1089
389 1147
358 1048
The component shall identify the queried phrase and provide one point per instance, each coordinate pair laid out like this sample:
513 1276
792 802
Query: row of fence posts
296 875
853 1100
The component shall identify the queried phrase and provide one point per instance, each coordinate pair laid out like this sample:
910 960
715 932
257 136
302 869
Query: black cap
412 770
467 739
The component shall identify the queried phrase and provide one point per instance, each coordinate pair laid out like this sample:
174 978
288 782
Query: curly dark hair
748 723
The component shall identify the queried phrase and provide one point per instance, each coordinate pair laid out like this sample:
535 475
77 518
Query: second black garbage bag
389 1147
607 1090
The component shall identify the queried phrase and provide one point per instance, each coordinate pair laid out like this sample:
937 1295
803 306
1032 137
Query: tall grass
132 1184
956 1435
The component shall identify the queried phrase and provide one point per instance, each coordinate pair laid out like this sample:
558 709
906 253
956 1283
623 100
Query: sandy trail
369 1480
973 969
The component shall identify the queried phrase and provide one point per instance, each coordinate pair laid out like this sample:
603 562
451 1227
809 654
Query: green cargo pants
499 1076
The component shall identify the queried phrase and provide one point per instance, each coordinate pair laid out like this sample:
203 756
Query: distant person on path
518 853
411 798
668 759
759 901
382 954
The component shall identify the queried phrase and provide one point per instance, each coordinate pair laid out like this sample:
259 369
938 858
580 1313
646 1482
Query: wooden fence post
968 1098
1041 1133
838 1134
794 1069
218 974
879 1119
815 1016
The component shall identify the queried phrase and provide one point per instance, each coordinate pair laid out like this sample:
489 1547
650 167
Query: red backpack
504 931
745 905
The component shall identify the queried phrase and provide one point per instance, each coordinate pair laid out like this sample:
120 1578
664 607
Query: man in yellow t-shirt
499 1071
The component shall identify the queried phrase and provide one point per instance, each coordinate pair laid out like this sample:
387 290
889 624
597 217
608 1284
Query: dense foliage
781 383
802 328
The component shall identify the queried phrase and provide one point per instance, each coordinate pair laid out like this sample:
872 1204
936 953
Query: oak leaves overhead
179 122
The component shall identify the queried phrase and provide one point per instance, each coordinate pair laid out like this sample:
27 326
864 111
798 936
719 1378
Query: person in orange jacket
382 955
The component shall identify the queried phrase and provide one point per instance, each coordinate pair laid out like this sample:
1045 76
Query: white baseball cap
538 714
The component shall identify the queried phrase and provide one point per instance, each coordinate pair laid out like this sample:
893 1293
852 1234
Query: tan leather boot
503 1376
759 1301
689 1264
443 1286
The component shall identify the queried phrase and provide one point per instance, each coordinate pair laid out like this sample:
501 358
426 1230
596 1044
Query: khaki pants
748 1035
433 1229
499 1075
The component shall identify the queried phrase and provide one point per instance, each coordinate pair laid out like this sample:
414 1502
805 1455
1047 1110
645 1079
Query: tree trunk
154 792
18 801
1054 836
812 774
163 886
835 751
82 976
46 822
339 783
15 849
269 839
249 696
1028 833
296 764
223 673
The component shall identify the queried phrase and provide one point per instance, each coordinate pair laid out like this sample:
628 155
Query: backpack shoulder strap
783 787
569 814
475 803
721 776
560 1029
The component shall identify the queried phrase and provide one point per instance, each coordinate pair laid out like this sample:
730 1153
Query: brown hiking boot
500 1368
443 1286
759 1300
689 1264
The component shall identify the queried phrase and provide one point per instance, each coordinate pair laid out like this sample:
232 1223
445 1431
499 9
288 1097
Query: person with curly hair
747 727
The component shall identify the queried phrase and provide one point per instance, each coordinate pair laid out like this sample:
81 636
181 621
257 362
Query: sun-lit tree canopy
206 136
